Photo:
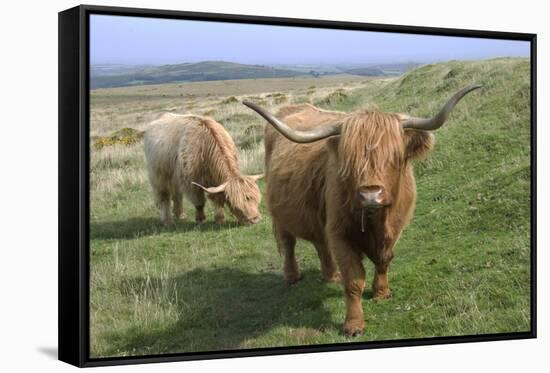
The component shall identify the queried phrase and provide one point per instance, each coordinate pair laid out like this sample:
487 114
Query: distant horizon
309 63
262 64
122 40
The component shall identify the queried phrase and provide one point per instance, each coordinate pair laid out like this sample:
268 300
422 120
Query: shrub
230 100
279 99
124 136
333 98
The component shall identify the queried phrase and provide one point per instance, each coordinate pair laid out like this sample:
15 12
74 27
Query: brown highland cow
345 183
189 155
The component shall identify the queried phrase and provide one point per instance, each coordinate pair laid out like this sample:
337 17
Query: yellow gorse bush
124 136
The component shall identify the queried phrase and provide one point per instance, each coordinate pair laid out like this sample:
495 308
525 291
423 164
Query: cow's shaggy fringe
369 140
220 153
239 189
219 150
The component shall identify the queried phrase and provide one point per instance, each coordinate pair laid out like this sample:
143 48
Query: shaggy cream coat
191 156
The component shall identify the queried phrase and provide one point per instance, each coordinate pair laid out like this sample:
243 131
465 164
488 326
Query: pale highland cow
345 183
189 156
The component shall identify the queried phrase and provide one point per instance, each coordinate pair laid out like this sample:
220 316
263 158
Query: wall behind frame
28 194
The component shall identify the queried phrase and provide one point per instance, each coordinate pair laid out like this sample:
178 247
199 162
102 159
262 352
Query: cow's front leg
380 288
219 213
199 214
353 276
196 196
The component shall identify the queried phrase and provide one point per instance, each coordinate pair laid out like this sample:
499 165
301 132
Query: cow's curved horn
212 190
312 135
431 124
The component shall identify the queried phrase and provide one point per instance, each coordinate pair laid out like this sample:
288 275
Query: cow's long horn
312 135
430 124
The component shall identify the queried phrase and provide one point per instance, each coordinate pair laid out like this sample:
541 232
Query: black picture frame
74 205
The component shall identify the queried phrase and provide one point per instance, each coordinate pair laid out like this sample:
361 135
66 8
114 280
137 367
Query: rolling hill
119 76
390 69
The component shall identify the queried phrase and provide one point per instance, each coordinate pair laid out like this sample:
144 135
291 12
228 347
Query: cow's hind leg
286 243
162 198
198 200
177 209
329 270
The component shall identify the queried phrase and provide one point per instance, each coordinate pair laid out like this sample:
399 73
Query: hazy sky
134 40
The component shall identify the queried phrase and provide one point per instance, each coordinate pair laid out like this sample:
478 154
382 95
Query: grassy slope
461 268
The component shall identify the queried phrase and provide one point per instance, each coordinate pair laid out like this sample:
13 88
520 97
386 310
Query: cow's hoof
292 278
219 220
167 222
381 294
200 217
335 277
353 329
178 215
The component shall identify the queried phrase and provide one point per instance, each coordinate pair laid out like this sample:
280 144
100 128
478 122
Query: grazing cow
345 183
189 155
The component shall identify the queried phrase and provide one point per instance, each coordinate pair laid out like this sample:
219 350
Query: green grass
461 267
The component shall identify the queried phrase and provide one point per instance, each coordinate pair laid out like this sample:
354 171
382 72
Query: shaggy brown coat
189 155
312 189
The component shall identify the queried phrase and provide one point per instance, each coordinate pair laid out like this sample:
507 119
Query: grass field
462 267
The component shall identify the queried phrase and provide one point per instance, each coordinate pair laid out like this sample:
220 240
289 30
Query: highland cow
189 156
345 183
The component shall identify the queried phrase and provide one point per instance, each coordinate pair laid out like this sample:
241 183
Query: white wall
28 197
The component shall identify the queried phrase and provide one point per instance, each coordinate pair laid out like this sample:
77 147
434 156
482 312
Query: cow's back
302 116
175 146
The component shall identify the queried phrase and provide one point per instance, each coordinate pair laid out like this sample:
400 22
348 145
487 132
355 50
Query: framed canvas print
239 185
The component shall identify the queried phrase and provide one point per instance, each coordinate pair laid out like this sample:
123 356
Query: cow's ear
418 144
212 190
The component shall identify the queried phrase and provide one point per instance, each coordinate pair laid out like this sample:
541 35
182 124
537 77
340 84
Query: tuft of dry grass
332 98
229 100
